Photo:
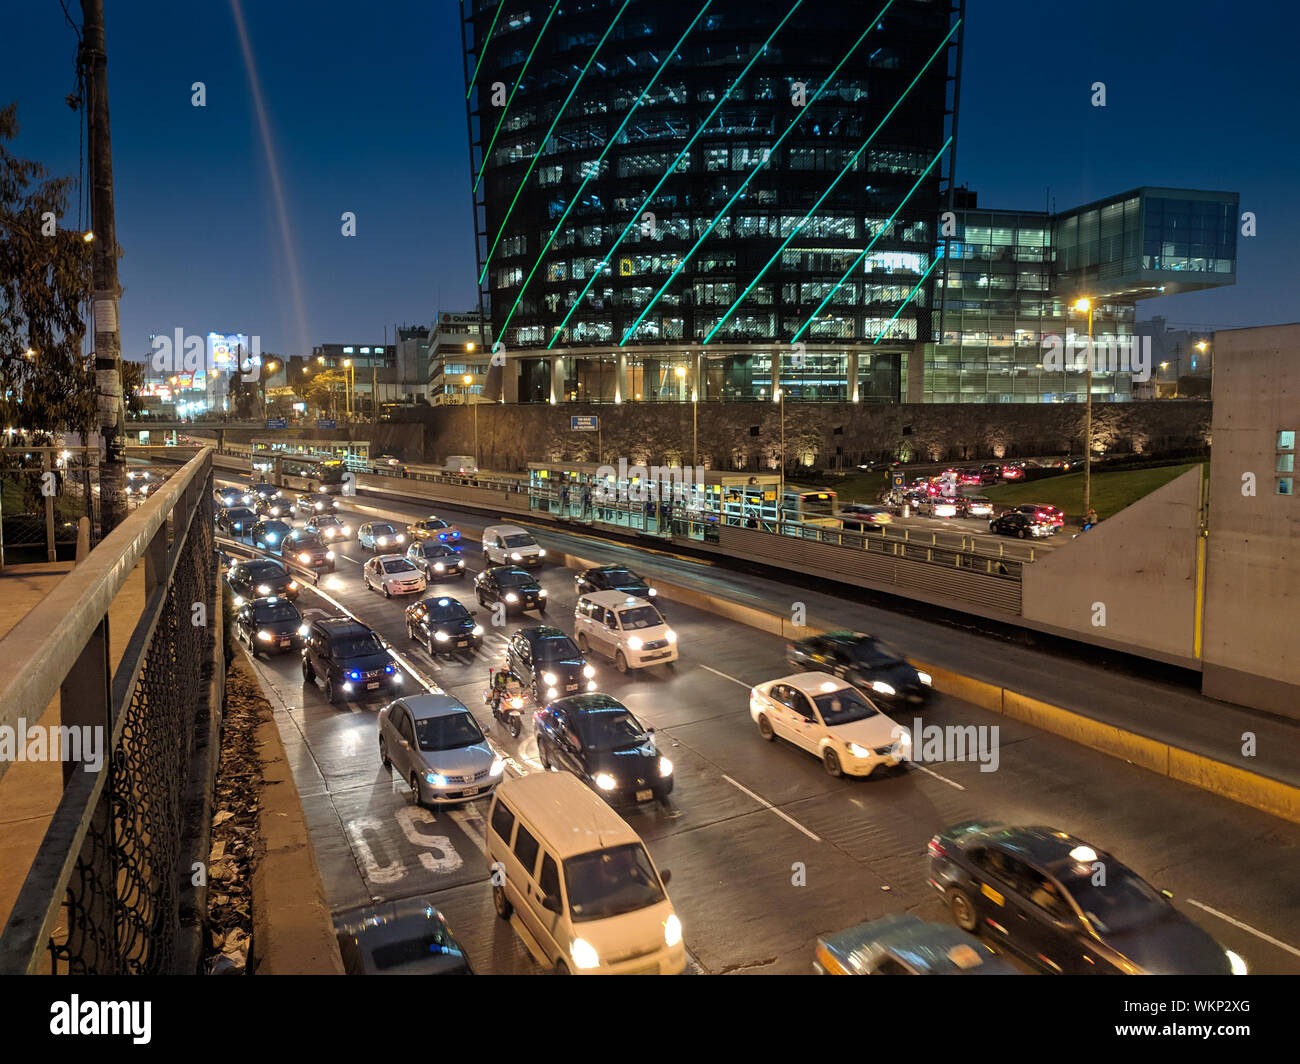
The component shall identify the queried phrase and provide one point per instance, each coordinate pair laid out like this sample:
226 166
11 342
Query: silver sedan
434 743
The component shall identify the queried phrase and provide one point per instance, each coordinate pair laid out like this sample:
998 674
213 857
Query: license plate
644 796
284 642
373 685
571 687
461 642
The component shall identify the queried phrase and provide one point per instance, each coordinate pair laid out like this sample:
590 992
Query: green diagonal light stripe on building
483 51
542 147
636 215
831 187
906 301
595 167
487 152
752 174
865 251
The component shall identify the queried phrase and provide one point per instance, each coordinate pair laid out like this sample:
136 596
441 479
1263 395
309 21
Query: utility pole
108 338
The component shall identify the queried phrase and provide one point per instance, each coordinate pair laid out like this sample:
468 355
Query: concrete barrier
1229 781
1117 742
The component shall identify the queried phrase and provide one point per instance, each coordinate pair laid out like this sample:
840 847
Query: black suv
267 624
597 739
548 664
613 578
516 588
307 548
443 625
270 535
349 659
261 578
435 560
867 663
236 520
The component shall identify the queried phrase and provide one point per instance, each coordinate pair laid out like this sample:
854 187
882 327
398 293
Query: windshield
453 611
451 732
520 541
611 882
264 571
435 550
1125 901
639 617
280 611
400 565
609 728
872 653
307 539
843 707
622 578
513 578
327 521
556 648
382 530
434 952
358 646
436 523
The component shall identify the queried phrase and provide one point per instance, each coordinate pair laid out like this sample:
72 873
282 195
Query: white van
589 899
630 631
460 463
510 545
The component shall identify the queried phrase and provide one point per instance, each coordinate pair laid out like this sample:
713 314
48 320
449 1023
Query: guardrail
113 872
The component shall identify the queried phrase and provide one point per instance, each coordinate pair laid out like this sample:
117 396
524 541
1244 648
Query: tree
321 389
46 383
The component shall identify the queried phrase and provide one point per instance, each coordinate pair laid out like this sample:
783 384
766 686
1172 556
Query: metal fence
105 892
44 493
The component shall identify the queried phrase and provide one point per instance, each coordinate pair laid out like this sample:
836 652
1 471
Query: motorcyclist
502 680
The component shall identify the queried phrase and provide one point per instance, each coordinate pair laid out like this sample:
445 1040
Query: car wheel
410 633
478 594
831 762
383 753
582 643
620 663
431 646
415 789
561 968
543 756
501 903
963 911
993 526
387 594
332 692
765 727
1021 533
541 608
308 673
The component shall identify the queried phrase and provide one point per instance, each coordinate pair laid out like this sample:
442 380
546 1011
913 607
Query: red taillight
936 848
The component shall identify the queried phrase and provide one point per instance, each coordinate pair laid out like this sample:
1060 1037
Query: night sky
365 104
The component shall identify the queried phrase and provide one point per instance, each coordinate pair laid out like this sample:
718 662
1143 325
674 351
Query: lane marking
1245 927
931 772
769 806
715 672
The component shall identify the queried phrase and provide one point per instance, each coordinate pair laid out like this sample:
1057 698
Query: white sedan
393 575
376 534
829 718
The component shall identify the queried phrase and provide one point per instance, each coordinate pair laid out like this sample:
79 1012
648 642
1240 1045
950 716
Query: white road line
470 824
931 772
715 672
768 805
1245 927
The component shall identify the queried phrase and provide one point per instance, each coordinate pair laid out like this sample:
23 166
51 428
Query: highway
767 851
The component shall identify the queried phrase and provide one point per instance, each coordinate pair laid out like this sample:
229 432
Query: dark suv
612 578
260 578
307 548
443 625
548 664
516 589
349 659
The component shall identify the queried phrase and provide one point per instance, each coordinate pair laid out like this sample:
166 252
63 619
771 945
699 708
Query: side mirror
649 731
551 903
666 877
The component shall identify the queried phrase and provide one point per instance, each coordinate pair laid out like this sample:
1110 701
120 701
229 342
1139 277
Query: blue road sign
326 423
584 423
276 423
899 479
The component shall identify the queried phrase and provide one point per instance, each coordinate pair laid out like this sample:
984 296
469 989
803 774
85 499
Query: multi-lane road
767 851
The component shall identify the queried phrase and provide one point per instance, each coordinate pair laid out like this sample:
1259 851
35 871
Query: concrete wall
1253 565
1139 564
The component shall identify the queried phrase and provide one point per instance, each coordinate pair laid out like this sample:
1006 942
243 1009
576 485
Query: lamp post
349 385
468 379
778 396
680 373
1084 305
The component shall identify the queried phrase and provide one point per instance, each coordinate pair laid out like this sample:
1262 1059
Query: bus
810 506
299 472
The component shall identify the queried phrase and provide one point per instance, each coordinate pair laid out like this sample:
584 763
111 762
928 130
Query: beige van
588 896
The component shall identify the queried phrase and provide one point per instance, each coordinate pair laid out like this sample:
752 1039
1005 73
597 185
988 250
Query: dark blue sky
365 104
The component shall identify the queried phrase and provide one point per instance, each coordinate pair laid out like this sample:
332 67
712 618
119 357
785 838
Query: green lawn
1111 492
852 487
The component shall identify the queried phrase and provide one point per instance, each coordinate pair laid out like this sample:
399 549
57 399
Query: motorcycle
507 704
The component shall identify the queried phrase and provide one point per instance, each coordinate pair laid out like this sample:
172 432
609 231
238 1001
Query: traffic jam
528 758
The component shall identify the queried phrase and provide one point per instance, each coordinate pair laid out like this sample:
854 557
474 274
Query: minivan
510 545
626 629
589 898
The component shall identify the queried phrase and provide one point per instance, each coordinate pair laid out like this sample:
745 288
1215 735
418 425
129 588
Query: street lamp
1084 305
778 396
469 379
350 385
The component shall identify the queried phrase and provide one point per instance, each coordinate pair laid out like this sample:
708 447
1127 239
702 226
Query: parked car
270 535
271 623
864 661
904 944
443 625
507 544
260 578
393 575
629 631
434 743
435 528
548 663
348 658
516 589
613 578
1037 891
407 937
435 560
374 535
597 738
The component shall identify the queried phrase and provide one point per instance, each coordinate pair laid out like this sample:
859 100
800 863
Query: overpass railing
113 877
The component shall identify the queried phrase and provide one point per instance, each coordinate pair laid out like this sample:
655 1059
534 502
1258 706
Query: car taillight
936 848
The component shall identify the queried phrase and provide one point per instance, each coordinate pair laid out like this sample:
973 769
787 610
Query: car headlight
1238 965
591 685
347 688
239 600
672 930
541 592
584 954
346 530
382 541
302 629
604 781
270 538
478 630
498 767
248 500
588 671
334 503
653 593
671 636
511 597
665 767
304 558
541 553
265 636
399 677
882 688
292 585
263 589
858 751
441 637
551 692
515 556
401 539
436 779
634 642
320 506
460 563
548 678
924 677
438 567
